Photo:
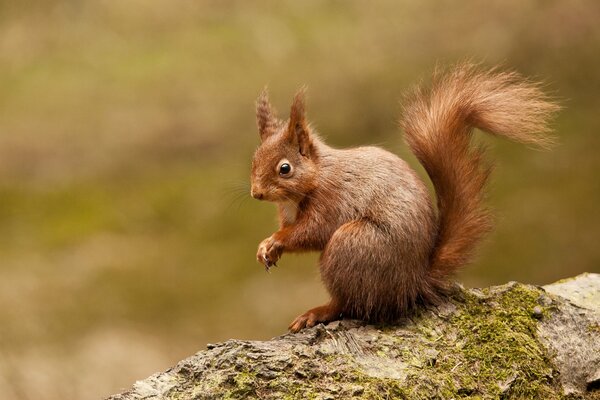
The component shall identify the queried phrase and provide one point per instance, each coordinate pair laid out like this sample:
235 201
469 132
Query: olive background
127 234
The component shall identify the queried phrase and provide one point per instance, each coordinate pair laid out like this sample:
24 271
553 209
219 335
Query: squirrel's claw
268 253
268 263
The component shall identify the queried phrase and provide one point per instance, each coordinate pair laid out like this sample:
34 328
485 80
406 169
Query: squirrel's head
283 167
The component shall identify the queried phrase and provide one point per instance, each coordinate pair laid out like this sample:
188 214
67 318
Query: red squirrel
385 249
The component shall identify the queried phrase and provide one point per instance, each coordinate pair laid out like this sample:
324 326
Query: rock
510 341
538 312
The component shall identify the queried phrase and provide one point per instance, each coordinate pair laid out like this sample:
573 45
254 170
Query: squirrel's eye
285 169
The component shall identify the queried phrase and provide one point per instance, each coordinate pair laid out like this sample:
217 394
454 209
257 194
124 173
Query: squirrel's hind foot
326 313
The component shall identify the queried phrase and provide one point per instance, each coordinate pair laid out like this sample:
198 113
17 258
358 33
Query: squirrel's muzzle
256 194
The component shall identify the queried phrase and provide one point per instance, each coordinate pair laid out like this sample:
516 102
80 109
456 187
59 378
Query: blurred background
126 134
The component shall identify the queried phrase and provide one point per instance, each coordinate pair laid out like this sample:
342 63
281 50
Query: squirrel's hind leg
343 265
326 313
371 271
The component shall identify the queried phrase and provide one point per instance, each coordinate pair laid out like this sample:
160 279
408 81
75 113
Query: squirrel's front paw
269 252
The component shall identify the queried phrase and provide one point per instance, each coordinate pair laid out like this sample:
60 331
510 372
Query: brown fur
384 249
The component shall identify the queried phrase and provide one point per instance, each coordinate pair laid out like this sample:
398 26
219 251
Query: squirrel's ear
298 127
265 115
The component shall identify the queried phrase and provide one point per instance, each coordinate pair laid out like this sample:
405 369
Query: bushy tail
438 123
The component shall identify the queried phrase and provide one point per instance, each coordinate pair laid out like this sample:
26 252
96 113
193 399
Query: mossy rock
513 341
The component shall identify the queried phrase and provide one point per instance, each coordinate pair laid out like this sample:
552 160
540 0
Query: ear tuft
298 126
297 113
265 115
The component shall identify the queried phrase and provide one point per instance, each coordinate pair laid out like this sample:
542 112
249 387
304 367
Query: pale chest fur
288 211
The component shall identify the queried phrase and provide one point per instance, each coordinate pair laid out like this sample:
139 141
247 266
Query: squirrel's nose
256 194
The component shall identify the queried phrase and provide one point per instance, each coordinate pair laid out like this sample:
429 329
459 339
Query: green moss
499 353
241 385
384 389
594 328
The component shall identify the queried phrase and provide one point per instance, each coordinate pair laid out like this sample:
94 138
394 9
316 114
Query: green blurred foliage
127 238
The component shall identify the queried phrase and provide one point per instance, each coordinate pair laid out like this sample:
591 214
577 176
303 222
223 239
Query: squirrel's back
379 227
370 181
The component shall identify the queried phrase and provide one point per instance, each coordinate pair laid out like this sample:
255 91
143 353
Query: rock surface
509 341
